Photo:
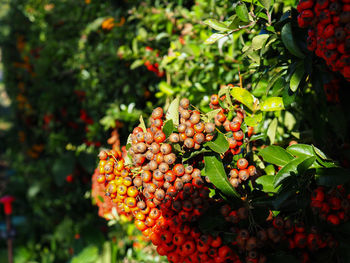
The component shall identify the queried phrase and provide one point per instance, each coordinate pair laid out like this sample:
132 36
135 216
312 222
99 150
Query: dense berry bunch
331 90
329 31
104 203
332 206
276 232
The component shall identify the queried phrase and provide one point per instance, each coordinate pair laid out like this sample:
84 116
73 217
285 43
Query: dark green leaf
288 169
219 145
260 136
214 169
299 150
276 155
242 12
332 176
168 127
297 77
319 153
304 165
190 155
289 41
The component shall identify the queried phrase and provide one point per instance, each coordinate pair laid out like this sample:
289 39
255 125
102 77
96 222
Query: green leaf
297 77
289 41
213 38
242 12
319 153
265 3
168 128
214 169
88 255
332 176
137 63
173 111
190 155
271 131
300 150
272 104
211 114
259 41
267 183
304 165
243 96
142 124
226 91
217 25
286 170
219 145
253 120
276 155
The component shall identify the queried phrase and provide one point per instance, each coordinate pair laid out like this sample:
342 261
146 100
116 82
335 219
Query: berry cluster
332 206
104 203
331 90
329 28
155 66
277 231
241 173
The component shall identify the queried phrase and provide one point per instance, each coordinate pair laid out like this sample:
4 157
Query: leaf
276 155
297 77
253 120
259 41
173 111
190 155
271 131
286 170
211 114
243 96
319 153
88 255
137 63
219 145
142 124
289 41
265 3
272 104
242 12
304 165
213 38
300 150
267 183
214 169
168 128
217 25
332 176
226 91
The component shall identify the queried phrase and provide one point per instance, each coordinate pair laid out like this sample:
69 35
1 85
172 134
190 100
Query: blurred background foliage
76 70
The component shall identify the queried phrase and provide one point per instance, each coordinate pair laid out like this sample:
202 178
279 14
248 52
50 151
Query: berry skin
214 99
159 137
157 113
242 163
